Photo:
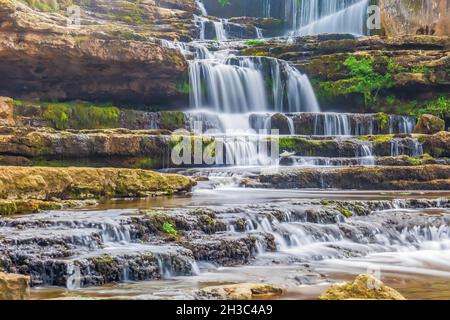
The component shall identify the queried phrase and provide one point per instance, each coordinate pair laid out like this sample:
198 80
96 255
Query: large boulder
242 291
365 287
14 286
429 124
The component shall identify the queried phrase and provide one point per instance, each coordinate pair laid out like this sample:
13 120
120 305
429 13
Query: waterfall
238 85
225 87
326 16
200 22
301 96
266 8
201 7
407 146
242 151
219 27
367 157
259 33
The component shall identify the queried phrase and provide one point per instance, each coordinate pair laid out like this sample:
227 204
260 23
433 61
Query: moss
58 115
360 289
81 115
13 207
414 161
255 42
257 51
172 120
132 13
43 5
383 120
87 183
103 263
378 139
147 163
345 212
129 35
367 77
80 38
183 87
95 117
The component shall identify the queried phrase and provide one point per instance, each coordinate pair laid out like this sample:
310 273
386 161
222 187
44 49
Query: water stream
300 239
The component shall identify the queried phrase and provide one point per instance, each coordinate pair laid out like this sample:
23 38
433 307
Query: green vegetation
383 119
345 212
378 139
439 107
58 115
172 120
169 229
255 42
184 87
81 115
223 3
421 69
43 5
134 13
368 77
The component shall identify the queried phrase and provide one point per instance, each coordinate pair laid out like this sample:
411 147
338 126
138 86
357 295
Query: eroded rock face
429 124
14 286
415 17
42 58
364 287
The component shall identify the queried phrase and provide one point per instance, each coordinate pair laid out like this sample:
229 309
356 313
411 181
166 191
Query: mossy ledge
87 183
428 177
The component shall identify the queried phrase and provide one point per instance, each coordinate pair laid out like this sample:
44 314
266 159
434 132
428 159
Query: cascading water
326 16
238 85
231 92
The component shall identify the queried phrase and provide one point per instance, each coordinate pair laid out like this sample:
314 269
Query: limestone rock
14 286
365 287
6 112
242 291
42 58
87 183
426 177
429 124
415 17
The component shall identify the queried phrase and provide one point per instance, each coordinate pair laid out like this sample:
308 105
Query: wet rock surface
87 248
429 177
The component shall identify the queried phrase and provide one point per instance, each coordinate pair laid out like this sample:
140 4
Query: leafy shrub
169 229
439 108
